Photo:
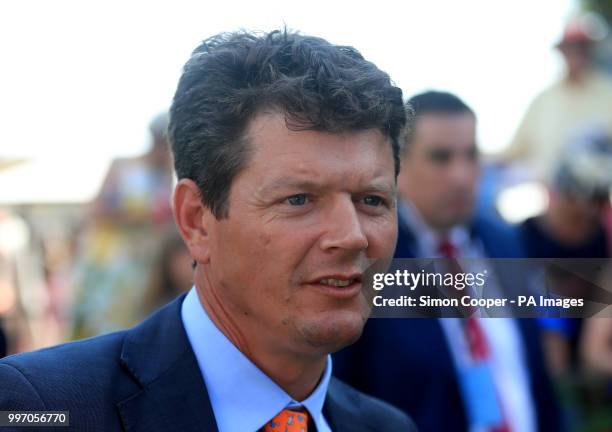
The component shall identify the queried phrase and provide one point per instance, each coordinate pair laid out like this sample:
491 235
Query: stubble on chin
330 336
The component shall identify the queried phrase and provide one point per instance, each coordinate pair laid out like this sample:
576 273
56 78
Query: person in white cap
581 97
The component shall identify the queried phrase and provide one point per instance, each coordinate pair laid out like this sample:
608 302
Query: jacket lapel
172 394
341 414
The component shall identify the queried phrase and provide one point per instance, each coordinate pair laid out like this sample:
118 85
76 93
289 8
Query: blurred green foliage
602 7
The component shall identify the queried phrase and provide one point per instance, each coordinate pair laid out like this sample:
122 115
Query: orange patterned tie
288 421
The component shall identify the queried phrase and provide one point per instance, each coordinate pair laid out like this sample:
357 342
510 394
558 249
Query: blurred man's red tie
475 336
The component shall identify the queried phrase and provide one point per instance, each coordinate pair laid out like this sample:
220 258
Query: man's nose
343 227
463 172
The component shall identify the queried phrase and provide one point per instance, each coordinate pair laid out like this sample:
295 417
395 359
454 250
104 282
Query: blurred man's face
579 209
307 216
440 168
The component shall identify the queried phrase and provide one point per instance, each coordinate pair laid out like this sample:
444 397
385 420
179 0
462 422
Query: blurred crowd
111 263
115 260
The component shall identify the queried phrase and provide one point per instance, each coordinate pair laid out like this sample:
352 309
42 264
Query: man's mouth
337 282
340 286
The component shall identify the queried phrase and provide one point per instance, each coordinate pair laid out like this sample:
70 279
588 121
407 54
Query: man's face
440 168
579 208
310 210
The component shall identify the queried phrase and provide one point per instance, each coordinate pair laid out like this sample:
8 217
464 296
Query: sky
80 80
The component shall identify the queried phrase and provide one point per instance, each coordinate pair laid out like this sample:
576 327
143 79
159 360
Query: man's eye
440 156
297 200
373 200
472 154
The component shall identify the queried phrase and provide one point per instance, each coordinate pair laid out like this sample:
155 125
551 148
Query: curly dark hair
232 77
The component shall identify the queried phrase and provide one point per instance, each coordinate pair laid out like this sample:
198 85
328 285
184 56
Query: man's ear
192 218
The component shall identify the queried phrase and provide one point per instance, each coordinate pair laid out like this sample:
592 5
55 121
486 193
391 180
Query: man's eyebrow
284 183
289 183
381 187
452 148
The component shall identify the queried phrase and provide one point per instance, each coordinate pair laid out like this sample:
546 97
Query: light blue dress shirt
243 398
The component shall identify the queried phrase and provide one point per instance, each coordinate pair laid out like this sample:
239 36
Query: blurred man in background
581 98
573 227
579 191
122 242
440 169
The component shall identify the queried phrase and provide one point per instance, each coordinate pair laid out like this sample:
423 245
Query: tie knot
288 421
447 249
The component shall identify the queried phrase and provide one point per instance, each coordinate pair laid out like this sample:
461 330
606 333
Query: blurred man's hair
232 77
584 168
437 102
433 102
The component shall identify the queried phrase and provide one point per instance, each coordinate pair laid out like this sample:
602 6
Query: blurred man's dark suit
148 379
408 363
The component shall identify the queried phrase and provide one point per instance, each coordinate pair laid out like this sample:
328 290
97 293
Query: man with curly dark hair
286 150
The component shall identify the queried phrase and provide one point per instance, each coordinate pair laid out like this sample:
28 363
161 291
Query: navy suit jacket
148 379
407 362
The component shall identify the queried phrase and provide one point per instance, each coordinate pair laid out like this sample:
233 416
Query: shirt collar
239 407
428 239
